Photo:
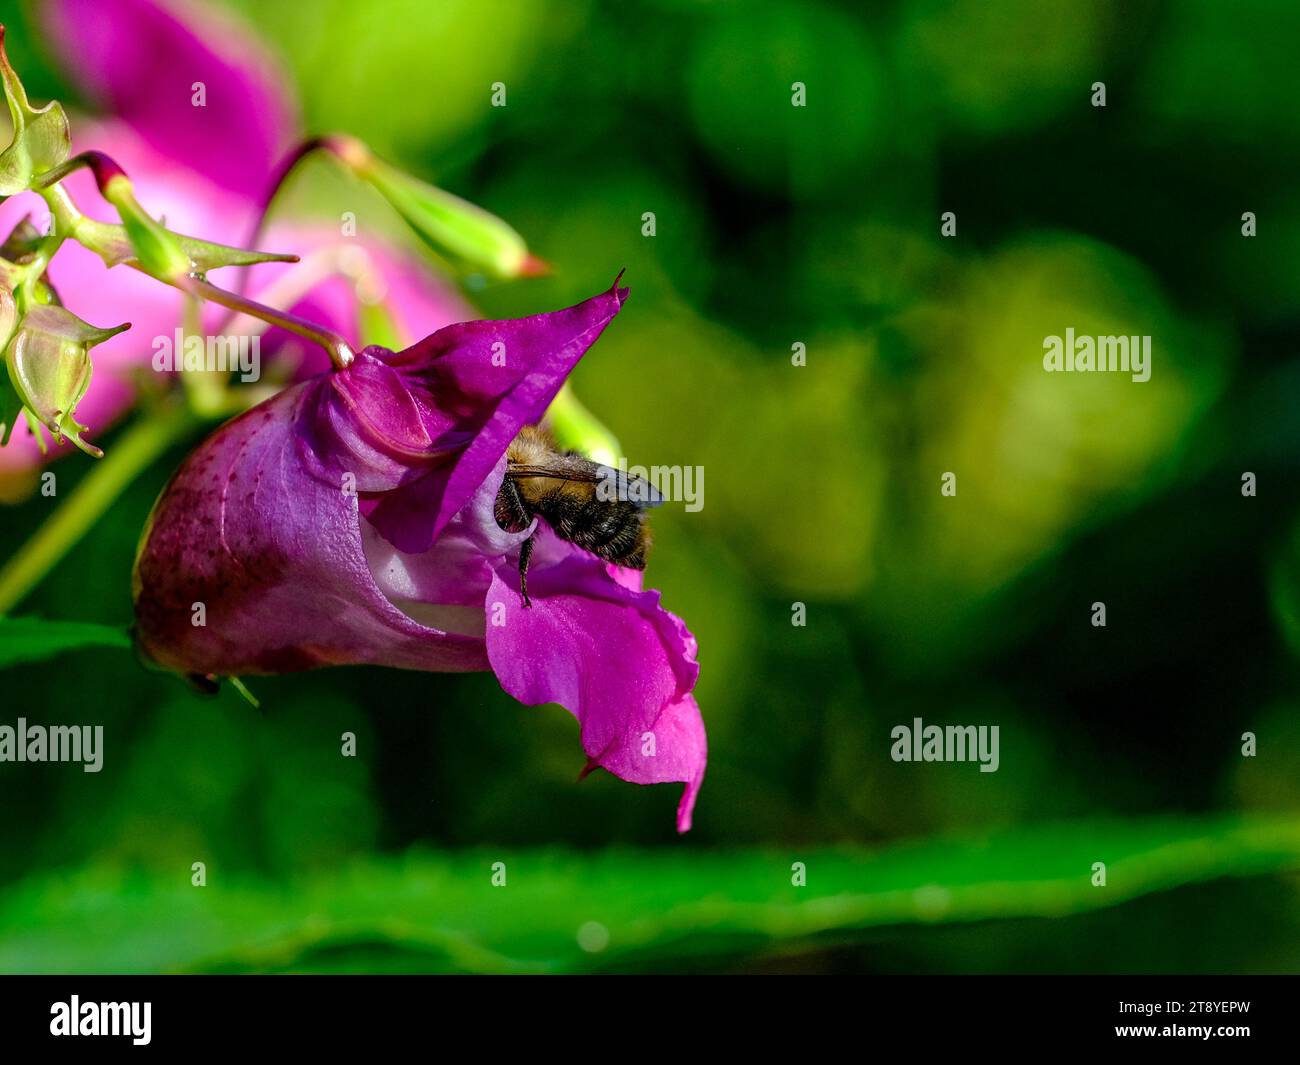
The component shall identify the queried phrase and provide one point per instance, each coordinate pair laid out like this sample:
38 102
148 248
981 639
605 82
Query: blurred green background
777 225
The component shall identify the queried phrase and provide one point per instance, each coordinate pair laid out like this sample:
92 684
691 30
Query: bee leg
525 553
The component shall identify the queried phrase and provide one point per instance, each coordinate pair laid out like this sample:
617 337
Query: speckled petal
612 656
269 544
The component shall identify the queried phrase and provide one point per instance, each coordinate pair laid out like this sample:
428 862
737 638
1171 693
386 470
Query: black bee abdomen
563 490
611 531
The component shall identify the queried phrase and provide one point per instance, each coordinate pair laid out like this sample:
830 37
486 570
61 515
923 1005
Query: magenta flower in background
206 169
349 519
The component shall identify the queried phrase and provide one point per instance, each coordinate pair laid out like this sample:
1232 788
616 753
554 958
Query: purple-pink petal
612 656
270 546
268 511
145 61
478 384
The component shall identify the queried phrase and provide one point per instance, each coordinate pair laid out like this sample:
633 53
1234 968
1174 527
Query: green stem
31 272
68 218
287 167
340 351
132 453
207 391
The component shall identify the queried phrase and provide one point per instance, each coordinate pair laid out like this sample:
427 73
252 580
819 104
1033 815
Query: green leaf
32 639
11 408
378 325
643 910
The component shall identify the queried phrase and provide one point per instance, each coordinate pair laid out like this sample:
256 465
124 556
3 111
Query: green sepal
23 241
48 358
41 137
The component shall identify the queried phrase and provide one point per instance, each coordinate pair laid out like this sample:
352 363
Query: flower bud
449 225
113 244
48 359
157 249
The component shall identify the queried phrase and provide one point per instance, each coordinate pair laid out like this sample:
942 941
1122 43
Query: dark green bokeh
777 225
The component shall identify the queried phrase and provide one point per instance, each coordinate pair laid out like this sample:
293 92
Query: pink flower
349 519
206 170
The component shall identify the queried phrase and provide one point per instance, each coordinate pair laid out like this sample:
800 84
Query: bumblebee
595 507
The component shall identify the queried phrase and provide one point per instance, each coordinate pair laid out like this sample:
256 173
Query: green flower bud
449 225
48 358
112 243
157 250
139 239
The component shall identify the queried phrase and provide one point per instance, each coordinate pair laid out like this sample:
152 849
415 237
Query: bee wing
615 484
559 469
629 487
